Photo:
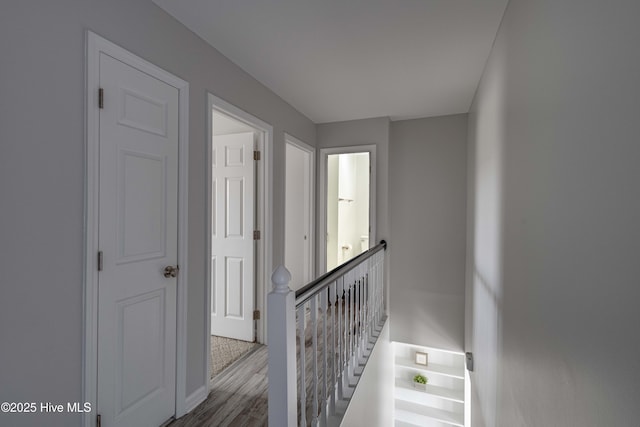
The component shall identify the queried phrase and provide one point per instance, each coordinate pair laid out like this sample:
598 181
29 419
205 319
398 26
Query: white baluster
380 285
370 301
374 289
340 336
367 298
360 315
349 335
356 321
325 313
333 300
354 327
314 354
378 299
302 354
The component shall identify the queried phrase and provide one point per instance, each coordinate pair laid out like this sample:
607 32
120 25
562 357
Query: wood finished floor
238 396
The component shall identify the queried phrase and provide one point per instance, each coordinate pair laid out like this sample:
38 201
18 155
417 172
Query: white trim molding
96 45
311 241
196 398
322 221
264 205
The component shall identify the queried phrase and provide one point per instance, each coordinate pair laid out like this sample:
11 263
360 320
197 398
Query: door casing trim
322 222
264 212
292 140
94 46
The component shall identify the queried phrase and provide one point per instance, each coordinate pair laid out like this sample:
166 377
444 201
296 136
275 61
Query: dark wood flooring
238 396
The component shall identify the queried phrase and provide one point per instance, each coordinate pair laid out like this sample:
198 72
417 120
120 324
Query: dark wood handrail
305 293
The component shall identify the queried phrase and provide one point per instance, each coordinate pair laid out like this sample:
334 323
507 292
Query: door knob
171 271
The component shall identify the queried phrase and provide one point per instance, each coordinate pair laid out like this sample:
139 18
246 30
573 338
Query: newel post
281 332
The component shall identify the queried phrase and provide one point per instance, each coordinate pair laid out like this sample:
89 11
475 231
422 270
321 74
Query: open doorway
347 207
236 237
299 211
348 195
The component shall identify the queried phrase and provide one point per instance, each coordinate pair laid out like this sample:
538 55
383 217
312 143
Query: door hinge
256 235
98 420
100 98
100 260
256 155
256 314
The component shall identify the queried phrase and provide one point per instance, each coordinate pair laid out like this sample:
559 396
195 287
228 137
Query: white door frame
264 210
292 140
95 46
322 222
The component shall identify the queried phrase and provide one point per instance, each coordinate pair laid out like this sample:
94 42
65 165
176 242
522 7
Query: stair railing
320 338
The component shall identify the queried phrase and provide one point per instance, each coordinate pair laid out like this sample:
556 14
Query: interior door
232 240
298 232
138 239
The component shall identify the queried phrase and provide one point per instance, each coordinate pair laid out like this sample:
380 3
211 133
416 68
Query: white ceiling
339 60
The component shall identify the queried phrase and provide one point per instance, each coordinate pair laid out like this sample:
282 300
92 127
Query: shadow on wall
487 316
486 139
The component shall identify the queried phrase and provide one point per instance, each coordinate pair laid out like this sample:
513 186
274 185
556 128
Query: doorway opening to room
348 194
238 169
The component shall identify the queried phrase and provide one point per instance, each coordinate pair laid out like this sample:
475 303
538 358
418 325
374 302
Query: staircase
320 339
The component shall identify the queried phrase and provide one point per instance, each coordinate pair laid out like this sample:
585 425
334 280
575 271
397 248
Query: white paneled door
232 236
138 223
298 242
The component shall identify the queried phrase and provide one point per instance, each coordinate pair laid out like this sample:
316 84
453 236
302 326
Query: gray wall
554 213
427 203
41 179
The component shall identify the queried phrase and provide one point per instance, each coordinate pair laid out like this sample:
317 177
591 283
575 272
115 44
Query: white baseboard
195 398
